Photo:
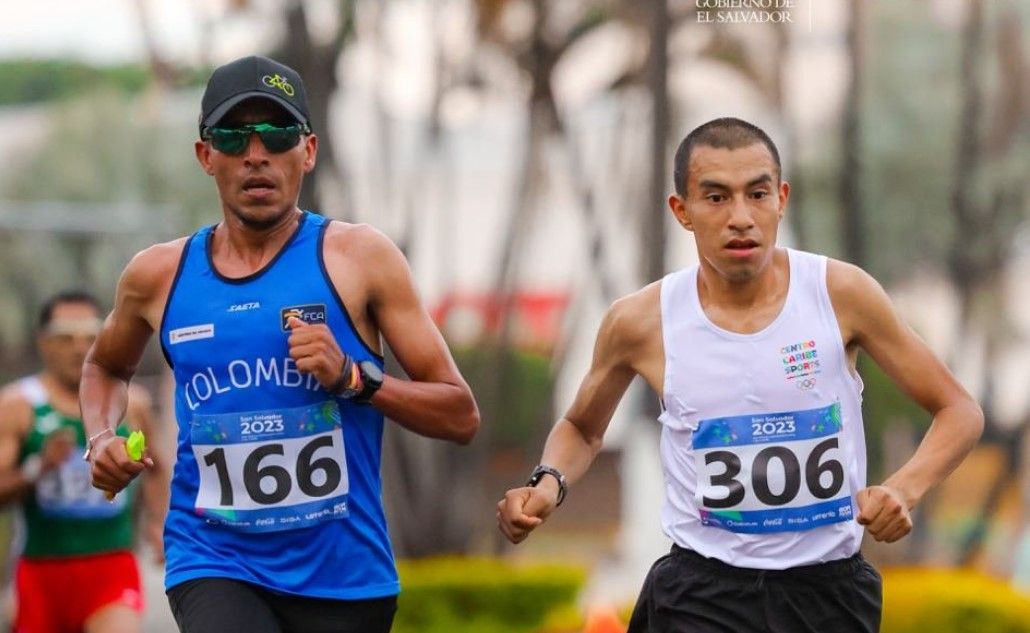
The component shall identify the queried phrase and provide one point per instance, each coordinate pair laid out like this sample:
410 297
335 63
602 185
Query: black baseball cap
253 76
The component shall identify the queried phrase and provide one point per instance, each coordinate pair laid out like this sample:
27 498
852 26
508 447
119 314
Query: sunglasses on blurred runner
234 140
73 327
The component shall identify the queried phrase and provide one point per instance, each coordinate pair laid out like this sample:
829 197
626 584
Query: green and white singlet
65 515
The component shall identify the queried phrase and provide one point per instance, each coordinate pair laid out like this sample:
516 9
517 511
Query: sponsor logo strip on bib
266 471
773 472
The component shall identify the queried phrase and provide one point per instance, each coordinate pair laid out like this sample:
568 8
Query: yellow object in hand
134 446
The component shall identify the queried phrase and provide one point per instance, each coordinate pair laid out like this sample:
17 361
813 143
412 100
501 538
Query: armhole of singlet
33 391
171 293
665 294
823 274
336 295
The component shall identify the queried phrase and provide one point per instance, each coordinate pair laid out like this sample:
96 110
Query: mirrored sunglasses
234 140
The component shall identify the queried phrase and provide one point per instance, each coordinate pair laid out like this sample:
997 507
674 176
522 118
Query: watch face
372 371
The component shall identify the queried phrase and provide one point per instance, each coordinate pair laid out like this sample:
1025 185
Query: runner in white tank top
762 433
753 354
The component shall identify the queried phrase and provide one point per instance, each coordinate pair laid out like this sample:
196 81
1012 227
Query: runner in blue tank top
272 322
752 353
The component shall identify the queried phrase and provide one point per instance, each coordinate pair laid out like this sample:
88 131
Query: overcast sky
108 31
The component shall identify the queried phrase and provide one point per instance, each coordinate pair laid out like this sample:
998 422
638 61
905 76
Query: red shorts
59 595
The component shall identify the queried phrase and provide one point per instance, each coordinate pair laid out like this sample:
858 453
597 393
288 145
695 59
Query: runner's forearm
103 399
432 409
952 435
569 450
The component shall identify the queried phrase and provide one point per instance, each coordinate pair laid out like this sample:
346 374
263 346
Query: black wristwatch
538 474
371 380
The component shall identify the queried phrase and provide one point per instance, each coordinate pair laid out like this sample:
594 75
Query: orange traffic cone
603 619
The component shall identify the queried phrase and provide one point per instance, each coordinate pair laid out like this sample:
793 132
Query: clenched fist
885 514
523 509
111 468
315 350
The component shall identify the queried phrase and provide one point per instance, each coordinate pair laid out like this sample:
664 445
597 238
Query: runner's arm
436 402
112 361
15 416
576 438
878 329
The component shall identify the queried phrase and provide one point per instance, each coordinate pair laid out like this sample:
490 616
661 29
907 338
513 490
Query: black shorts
687 593
219 605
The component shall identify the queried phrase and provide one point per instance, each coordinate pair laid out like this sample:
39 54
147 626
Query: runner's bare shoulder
858 299
151 271
635 320
15 410
358 241
349 245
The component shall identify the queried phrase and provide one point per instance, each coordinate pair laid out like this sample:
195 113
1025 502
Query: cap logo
278 81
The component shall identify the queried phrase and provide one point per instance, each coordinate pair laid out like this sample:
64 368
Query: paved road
158 617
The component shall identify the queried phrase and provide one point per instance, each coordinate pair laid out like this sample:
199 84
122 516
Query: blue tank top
276 481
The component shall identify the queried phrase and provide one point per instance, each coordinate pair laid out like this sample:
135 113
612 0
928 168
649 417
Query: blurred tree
316 62
434 490
655 213
163 75
71 221
988 202
796 217
536 53
852 175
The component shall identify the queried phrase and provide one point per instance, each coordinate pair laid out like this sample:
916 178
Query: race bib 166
265 471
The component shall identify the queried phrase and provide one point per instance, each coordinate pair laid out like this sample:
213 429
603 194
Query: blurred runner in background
77 571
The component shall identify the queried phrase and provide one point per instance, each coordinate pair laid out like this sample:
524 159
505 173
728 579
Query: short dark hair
724 133
46 312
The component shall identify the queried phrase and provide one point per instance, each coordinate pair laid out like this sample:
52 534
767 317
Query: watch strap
543 469
369 386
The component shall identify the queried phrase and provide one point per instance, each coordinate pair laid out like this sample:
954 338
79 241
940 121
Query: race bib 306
774 472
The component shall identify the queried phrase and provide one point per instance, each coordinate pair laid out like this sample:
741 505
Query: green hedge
479 595
459 595
951 601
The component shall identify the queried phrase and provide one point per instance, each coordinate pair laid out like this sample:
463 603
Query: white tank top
762 445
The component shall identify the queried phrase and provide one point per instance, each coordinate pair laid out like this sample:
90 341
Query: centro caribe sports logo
278 81
801 360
